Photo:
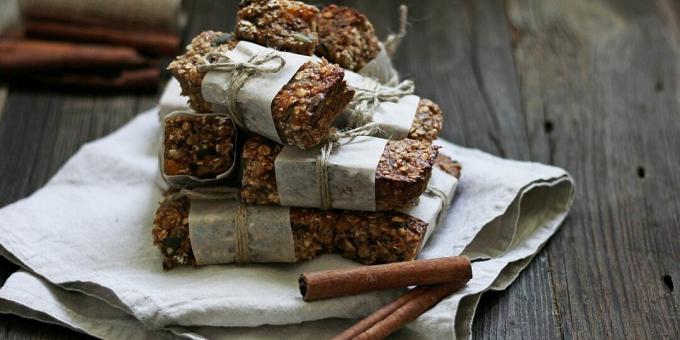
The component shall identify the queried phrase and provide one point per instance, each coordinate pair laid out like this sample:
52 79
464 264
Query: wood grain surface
587 85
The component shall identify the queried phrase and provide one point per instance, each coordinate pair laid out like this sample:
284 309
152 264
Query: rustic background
590 86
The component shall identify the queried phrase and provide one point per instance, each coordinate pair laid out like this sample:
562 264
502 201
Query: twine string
367 99
242 252
241 71
322 159
444 200
394 40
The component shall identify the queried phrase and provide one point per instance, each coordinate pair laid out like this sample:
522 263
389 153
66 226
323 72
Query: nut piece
200 146
346 37
280 24
366 237
446 164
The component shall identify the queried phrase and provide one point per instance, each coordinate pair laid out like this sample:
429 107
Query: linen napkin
87 235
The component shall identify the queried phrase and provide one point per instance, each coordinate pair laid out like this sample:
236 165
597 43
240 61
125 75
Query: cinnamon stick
340 282
393 316
143 40
162 15
135 79
17 56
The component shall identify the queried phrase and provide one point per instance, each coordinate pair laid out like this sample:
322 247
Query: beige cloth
88 234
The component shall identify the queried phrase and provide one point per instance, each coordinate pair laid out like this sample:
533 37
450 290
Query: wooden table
590 86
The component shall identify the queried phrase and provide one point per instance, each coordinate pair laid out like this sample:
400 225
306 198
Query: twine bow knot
240 72
322 159
366 100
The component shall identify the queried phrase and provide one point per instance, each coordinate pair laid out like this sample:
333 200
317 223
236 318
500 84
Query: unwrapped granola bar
281 24
400 176
366 237
346 37
428 121
197 148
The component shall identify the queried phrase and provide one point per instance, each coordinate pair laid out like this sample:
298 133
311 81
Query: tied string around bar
241 250
240 72
322 160
366 100
444 200
394 40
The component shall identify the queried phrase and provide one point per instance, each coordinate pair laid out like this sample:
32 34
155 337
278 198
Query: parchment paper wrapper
213 225
381 69
214 236
430 207
351 175
254 100
394 118
187 180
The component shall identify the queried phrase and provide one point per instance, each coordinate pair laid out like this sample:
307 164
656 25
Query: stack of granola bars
296 145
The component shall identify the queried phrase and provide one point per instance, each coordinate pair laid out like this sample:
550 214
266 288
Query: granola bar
281 24
366 237
185 67
401 174
198 145
346 37
427 123
302 111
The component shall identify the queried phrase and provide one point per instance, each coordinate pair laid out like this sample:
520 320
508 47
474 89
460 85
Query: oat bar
427 123
367 237
302 111
401 175
281 24
185 67
346 37
201 146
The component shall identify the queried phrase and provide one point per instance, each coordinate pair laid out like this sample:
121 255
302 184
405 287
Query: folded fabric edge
29 288
95 291
514 218
513 267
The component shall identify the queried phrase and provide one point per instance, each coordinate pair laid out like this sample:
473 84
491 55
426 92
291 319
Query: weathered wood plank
597 95
602 76
3 99
40 130
470 75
